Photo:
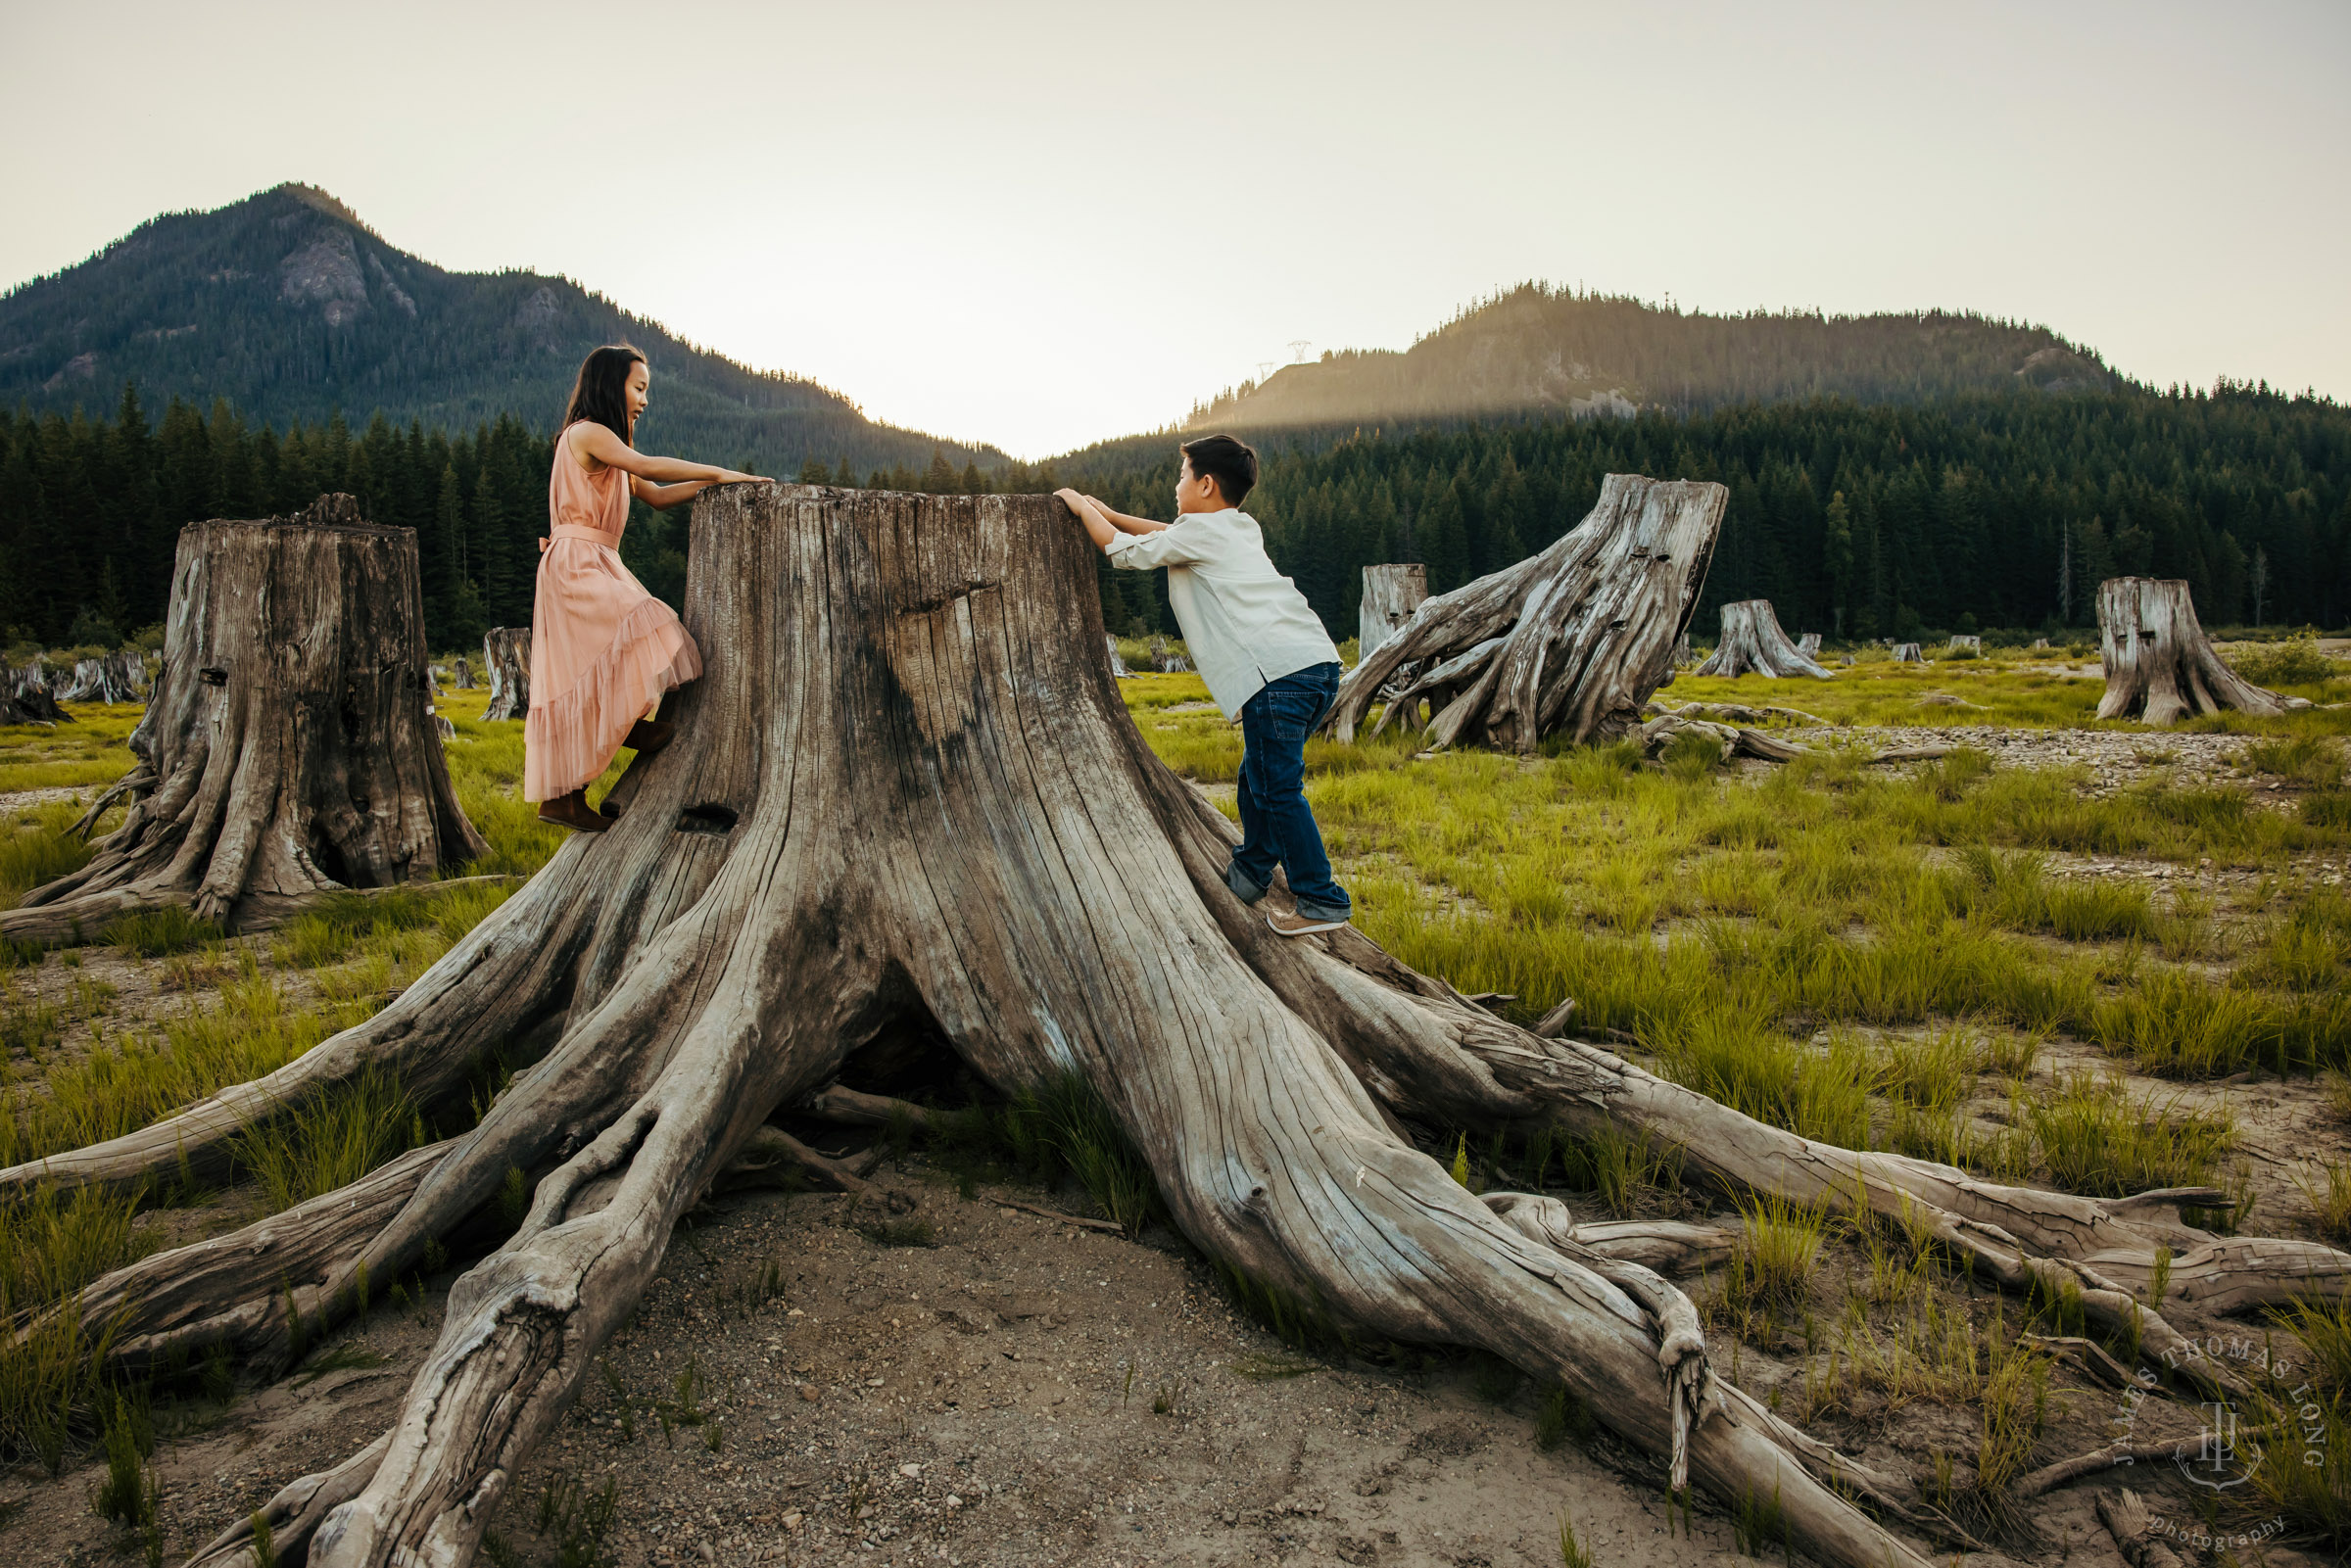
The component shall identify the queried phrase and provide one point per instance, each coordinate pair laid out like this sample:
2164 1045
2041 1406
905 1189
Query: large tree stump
288 749
1572 641
909 794
26 698
118 676
1391 593
2160 666
506 657
1752 643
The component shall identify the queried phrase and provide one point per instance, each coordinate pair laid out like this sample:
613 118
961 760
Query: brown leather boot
649 735
571 811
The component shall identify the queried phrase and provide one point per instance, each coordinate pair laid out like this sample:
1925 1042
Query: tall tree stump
1754 643
464 678
1391 593
506 657
288 750
908 793
1572 641
2160 666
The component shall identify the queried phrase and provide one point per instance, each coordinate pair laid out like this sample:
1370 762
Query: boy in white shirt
1265 656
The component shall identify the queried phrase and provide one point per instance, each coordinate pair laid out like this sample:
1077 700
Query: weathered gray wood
1752 643
2160 666
1908 653
1118 665
506 657
465 681
1809 646
25 698
1964 641
1391 592
288 750
1164 659
1588 627
118 676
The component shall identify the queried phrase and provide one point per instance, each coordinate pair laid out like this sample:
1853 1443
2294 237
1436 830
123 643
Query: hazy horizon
1042 225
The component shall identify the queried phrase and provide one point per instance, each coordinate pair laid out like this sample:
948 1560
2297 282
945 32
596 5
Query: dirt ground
1018 1391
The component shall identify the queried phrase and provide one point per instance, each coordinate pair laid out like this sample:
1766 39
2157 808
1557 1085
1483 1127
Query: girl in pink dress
602 650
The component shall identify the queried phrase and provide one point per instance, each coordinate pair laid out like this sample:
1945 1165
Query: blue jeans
1276 827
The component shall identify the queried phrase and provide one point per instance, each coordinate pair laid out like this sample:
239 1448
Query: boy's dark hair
1229 463
599 392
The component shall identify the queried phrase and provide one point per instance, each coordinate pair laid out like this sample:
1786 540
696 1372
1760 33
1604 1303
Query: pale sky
1043 224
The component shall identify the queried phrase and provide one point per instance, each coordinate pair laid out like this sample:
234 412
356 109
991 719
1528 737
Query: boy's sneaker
1301 924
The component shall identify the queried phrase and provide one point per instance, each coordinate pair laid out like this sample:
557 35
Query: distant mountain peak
1534 348
292 307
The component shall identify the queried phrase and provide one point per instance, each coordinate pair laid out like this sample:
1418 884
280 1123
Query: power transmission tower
1298 348
1265 368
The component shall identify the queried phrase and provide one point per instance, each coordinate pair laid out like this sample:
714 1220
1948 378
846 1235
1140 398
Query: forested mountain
1988 509
290 308
1536 350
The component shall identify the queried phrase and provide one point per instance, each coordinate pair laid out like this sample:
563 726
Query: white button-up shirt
1246 623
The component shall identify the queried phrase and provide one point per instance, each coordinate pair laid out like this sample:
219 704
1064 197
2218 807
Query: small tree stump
25 698
2160 666
1908 653
465 680
1118 666
1164 660
506 657
118 676
1391 593
287 751
1964 642
1751 641
1572 641
1809 646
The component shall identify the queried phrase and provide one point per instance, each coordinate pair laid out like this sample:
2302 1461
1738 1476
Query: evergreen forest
1967 513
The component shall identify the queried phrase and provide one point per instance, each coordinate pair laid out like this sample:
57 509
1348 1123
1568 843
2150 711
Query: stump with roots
507 659
1908 653
909 795
1754 643
1571 641
26 698
1391 593
2160 666
118 676
288 750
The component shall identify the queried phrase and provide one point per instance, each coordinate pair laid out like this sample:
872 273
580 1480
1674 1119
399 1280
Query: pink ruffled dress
602 650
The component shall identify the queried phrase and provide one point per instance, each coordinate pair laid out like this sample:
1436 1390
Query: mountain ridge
1533 350
294 309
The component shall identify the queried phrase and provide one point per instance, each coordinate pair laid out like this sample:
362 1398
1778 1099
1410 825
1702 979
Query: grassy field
2027 971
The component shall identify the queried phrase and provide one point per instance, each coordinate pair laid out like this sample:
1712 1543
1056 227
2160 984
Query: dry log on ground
911 793
506 657
1752 643
1736 739
2128 1520
288 751
2160 666
1572 641
1391 593
1739 713
1908 653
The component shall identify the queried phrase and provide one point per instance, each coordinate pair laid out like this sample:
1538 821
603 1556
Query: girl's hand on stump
728 476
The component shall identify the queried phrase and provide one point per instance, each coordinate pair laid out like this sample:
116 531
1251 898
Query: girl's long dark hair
600 392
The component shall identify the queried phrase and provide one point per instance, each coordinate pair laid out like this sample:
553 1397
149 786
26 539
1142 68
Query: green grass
2100 1139
35 849
330 1142
157 932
